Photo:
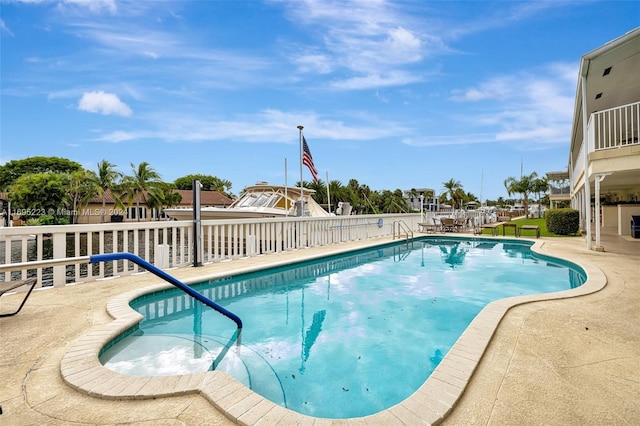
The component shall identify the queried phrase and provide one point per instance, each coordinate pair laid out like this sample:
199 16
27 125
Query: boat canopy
263 195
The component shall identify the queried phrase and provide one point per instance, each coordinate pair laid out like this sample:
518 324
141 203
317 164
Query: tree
337 193
209 183
172 198
163 196
12 170
454 189
540 186
413 194
82 188
321 191
524 186
144 179
394 202
106 180
41 194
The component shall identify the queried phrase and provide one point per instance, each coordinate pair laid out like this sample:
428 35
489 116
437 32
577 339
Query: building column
599 178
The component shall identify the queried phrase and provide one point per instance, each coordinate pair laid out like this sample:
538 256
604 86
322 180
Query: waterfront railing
169 244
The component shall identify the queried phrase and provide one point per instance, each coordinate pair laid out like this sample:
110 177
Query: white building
425 196
604 156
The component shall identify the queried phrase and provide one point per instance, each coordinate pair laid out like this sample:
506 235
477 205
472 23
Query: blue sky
395 94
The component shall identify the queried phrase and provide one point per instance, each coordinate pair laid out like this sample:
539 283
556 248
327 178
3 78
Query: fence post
59 252
161 256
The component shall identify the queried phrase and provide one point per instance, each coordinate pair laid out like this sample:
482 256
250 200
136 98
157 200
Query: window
134 213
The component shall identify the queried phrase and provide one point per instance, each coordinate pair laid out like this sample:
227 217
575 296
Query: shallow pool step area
175 354
162 355
252 369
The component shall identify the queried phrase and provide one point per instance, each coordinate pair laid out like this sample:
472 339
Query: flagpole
301 186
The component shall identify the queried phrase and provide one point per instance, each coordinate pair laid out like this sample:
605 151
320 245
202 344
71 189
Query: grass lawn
509 231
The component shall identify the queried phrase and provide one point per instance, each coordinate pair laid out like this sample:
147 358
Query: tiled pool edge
431 403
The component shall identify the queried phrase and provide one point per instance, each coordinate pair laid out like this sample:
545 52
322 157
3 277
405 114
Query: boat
258 201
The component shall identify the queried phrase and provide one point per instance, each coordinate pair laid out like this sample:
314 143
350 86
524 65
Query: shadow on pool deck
559 362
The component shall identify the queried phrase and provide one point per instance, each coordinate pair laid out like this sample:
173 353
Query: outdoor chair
460 224
635 226
428 227
448 224
11 285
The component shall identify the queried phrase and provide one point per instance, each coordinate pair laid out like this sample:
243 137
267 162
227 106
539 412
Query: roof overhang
564 175
611 74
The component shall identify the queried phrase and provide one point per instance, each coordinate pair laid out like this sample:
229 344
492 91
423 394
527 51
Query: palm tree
524 186
163 196
454 188
82 188
540 186
106 179
400 202
413 194
144 179
321 191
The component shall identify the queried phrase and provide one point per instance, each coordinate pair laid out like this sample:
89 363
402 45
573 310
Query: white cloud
269 126
317 63
394 78
95 6
4 29
373 40
496 88
459 139
103 103
531 106
152 55
404 45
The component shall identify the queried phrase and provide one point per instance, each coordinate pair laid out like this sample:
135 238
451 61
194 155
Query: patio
562 362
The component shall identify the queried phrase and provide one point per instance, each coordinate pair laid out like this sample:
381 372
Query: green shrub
32 221
47 219
562 221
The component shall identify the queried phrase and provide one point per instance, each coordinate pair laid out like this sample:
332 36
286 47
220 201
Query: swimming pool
345 337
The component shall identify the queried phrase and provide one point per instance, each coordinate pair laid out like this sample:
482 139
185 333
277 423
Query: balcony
613 138
615 127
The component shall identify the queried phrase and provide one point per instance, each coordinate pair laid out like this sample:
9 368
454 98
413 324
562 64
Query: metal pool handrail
122 256
158 272
401 224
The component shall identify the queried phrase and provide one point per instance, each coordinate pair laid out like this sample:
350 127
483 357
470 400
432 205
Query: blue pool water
345 336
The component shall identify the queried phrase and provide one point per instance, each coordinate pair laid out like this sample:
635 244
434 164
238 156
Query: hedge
562 221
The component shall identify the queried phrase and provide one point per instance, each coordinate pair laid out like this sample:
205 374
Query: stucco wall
610 216
625 211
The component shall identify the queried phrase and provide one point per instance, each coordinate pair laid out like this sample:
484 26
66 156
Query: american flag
307 160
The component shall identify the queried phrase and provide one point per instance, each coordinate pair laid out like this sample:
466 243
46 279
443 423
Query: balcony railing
609 129
560 190
616 127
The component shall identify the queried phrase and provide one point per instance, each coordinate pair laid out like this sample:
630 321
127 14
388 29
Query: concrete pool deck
569 361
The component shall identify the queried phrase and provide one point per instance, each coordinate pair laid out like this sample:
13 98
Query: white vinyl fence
170 243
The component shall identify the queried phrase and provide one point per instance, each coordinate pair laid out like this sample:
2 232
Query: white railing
170 243
559 190
609 129
578 167
615 127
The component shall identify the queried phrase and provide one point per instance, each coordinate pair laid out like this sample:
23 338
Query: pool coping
81 369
